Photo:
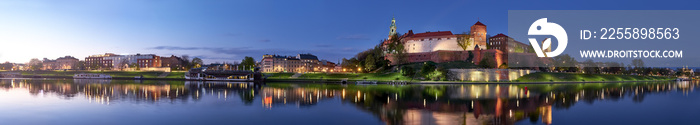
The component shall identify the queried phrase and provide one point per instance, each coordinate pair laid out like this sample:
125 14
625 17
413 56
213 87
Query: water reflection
392 104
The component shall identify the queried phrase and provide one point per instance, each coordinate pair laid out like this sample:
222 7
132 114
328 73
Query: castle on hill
443 46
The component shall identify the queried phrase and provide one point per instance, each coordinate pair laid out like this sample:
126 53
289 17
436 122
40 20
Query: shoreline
339 81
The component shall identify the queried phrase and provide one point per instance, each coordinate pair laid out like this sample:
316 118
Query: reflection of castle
496 104
488 91
409 104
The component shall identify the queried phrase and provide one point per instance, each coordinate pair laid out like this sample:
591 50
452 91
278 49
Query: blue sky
227 31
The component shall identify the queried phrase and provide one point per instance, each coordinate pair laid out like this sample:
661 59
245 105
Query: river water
67 101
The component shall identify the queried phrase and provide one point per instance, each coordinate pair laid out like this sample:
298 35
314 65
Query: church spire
392 28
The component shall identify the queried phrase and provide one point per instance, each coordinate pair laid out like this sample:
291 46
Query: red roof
500 35
479 23
429 34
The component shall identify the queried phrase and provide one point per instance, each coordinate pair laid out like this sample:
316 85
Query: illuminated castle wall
442 46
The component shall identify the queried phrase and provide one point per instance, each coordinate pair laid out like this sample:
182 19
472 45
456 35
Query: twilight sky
227 31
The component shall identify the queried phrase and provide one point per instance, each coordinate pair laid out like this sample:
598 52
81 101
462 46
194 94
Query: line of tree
566 63
248 63
366 61
35 64
6 66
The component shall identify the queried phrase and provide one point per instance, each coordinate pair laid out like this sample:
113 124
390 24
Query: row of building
151 62
298 63
110 61
143 61
67 62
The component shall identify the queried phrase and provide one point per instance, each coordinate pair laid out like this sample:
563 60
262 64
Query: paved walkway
164 75
296 75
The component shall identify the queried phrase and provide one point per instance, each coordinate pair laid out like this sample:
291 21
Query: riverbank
583 78
114 74
533 78
381 78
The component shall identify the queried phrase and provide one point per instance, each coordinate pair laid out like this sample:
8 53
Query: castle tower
392 28
478 33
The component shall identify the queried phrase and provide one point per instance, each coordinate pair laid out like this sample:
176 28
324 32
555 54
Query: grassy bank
349 76
533 77
278 75
130 74
577 77
357 76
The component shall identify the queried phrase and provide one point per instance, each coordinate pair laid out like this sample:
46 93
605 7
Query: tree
487 62
464 41
351 64
80 65
565 63
590 67
378 55
428 67
196 62
637 63
248 62
397 48
186 62
437 74
6 66
407 71
503 66
133 65
638 66
124 63
35 64
95 66
471 57
370 63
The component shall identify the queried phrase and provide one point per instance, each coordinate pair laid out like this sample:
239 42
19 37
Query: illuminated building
62 63
299 63
49 64
120 62
440 46
154 61
309 63
173 62
67 62
277 63
142 61
98 61
327 66
507 44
